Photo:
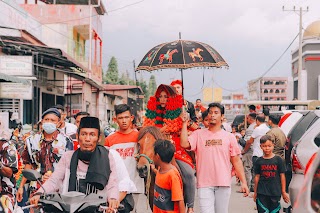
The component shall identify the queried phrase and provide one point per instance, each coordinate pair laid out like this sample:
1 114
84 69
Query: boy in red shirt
124 141
168 193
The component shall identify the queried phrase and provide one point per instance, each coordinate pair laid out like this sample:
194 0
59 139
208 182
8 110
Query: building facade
50 45
269 88
310 74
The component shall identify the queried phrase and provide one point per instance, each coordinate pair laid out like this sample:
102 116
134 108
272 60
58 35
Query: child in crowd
270 181
241 140
168 192
205 119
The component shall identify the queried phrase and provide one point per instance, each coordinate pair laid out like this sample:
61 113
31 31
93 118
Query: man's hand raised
184 115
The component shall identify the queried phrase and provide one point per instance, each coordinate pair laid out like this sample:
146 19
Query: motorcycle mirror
31 174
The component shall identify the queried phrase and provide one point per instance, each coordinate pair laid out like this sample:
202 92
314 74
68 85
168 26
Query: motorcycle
73 202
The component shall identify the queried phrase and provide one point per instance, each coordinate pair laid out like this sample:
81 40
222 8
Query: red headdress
176 82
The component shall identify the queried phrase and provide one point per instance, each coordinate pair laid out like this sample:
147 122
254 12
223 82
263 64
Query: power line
120 8
266 72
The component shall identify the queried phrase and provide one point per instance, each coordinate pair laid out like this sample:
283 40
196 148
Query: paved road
238 203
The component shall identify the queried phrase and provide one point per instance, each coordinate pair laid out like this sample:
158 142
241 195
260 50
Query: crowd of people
197 149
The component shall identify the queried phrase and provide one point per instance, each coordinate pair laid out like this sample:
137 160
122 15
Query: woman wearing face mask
163 111
43 150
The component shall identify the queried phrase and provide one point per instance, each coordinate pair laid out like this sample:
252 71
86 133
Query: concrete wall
313 71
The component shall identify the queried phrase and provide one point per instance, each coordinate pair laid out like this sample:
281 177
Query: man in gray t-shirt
247 156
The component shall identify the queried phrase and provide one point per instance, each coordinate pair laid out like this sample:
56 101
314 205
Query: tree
142 83
112 72
152 85
125 79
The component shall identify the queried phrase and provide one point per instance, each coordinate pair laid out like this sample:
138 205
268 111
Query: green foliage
126 80
152 85
112 72
143 84
123 80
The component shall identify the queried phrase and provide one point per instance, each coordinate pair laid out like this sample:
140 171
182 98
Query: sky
249 34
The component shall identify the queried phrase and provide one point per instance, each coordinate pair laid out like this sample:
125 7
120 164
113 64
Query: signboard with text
16 65
15 91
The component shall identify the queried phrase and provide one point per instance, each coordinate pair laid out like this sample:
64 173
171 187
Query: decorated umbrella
181 54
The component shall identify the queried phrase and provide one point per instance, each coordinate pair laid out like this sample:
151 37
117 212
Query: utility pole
134 71
301 96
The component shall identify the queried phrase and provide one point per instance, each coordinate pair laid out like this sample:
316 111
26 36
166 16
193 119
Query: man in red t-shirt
199 106
124 141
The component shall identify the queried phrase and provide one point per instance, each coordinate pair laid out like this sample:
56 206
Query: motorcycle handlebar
102 208
105 207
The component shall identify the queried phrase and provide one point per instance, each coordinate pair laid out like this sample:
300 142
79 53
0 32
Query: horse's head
146 139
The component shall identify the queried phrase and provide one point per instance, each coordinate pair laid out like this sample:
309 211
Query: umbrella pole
181 70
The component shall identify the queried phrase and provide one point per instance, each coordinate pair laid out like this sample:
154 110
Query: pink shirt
213 152
59 180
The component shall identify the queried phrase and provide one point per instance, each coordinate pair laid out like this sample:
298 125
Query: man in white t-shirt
65 127
257 133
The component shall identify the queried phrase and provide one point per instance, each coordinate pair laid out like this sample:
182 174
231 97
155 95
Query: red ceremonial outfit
170 116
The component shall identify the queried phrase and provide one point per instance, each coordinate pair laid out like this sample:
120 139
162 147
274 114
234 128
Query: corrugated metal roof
111 87
14 79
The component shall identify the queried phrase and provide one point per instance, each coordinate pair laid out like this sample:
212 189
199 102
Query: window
317 140
265 91
271 91
277 91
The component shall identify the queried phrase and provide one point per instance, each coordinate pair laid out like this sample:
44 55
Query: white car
288 120
301 153
308 199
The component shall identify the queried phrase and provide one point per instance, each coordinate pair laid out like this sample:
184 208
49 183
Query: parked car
288 121
302 151
308 199
239 119
305 122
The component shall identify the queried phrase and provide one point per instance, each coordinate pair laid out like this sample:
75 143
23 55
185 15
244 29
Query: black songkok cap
89 122
51 111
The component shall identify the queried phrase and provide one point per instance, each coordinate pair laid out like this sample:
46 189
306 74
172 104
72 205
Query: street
238 203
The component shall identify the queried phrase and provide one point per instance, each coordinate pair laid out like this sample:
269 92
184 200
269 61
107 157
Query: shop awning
13 79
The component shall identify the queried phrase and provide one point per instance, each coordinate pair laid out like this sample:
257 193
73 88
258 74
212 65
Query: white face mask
49 127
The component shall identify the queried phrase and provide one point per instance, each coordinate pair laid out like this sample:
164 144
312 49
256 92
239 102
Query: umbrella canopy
181 54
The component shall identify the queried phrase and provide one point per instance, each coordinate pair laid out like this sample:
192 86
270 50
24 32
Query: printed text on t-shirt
213 142
126 152
268 171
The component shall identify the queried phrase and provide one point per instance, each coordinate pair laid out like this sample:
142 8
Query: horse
146 139
167 56
195 53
